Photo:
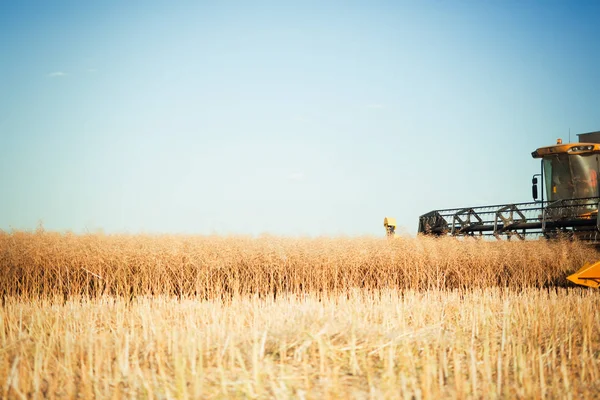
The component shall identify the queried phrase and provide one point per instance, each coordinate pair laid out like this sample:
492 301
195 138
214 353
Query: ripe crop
45 265
140 316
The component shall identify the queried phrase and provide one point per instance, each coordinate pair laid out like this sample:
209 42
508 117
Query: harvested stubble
95 316
478 343
45 264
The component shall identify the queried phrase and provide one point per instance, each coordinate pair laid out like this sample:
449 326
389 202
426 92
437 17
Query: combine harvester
569 178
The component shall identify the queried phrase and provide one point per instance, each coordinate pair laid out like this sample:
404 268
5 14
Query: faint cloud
92 70
296 177
375 106
301 119
57 74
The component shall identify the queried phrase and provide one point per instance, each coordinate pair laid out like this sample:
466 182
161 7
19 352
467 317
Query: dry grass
98 316
44 265
485 343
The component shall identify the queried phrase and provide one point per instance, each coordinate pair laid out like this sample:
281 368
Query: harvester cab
568 207
570 171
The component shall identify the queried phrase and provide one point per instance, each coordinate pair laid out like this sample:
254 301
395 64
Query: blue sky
295 118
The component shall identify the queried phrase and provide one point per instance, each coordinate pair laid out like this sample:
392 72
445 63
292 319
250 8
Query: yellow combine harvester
569 178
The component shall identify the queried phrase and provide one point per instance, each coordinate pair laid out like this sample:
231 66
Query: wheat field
161 317
46 264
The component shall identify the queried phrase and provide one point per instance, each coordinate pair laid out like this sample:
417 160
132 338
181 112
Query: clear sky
296 118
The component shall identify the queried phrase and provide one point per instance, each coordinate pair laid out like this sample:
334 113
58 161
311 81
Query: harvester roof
570 148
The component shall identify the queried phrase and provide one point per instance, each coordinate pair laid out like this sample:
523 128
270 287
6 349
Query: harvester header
565 205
